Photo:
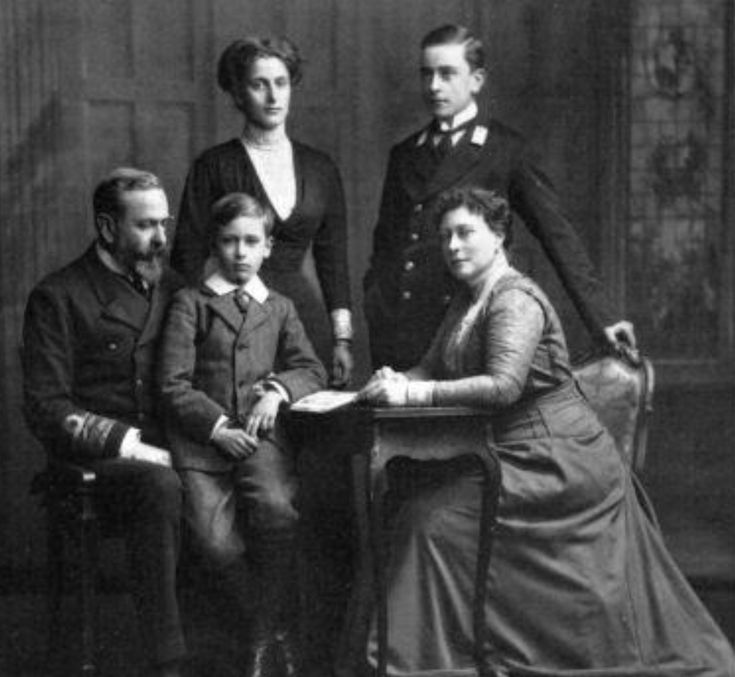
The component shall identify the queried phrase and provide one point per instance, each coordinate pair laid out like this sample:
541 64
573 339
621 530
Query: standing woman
300 184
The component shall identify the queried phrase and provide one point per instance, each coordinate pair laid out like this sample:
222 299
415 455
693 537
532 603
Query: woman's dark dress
318 221
580 582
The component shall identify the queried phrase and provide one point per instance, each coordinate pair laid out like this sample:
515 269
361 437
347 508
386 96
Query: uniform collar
460 118
255 288
464 116
109 261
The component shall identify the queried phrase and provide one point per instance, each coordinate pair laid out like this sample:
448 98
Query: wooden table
371 437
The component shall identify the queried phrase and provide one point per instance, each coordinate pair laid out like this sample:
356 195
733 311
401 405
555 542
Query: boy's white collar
221 286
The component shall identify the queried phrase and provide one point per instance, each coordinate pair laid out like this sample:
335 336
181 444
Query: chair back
619 387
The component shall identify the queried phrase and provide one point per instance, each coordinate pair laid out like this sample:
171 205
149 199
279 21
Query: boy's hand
235 442
262 417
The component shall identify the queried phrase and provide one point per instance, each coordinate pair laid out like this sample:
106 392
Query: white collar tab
255 287
479 135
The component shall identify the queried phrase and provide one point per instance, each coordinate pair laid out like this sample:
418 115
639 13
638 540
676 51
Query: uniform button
409 265
242 346
446 299
112 346
139 382
414 237
406 295
417 209
141 416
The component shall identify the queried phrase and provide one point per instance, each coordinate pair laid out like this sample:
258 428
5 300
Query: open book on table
324 401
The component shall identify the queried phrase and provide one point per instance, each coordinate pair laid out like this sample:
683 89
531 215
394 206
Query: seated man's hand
133 448
234 443
262 417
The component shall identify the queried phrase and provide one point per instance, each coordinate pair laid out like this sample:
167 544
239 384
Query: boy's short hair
106 198
488 204
455 34
234 205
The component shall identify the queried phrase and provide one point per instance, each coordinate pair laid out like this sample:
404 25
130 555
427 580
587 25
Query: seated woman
580 582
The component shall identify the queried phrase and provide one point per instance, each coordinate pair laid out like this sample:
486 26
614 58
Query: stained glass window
675 242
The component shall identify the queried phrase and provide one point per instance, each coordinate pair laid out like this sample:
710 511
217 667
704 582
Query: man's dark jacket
407 286
89 344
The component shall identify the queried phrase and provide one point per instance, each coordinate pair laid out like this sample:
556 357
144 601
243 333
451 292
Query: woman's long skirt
580 582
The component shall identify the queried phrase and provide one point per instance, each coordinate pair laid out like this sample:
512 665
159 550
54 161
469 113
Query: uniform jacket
407 287
318 218
212 356
89 344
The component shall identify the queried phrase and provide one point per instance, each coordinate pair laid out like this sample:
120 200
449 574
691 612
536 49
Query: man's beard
149 265
150 268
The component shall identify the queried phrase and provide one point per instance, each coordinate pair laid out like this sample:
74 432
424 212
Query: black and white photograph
367 338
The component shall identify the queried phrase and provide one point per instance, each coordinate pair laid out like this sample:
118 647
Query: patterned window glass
675 253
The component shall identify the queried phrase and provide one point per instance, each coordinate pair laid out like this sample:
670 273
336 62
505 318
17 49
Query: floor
24 641
23 635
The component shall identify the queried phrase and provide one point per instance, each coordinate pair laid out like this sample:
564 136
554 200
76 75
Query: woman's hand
342 365
235 443
262 417
385 387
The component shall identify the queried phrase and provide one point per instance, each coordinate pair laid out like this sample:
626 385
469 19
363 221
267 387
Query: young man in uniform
407 287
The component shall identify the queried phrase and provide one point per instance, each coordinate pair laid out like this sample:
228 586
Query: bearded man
89 345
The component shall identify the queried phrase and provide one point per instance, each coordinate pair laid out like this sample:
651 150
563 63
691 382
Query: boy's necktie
242 299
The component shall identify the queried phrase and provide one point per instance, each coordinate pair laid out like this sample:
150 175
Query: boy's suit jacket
407 286
212 356
90 344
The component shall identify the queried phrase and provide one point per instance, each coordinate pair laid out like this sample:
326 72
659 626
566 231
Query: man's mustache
152 254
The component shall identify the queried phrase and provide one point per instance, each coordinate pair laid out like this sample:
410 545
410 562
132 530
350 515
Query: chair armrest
619 387
72 473
63 477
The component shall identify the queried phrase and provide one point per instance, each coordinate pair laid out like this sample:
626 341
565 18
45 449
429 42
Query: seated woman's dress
580 582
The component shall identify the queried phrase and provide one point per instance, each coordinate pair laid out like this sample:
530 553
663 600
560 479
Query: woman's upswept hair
234 205
490 205
454 34
235 62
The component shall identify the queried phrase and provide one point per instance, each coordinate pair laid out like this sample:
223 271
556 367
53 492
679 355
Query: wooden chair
67 492
619 387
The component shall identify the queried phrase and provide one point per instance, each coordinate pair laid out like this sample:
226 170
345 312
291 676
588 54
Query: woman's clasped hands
387 387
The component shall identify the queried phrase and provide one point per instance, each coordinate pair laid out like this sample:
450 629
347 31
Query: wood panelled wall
31 237
87 84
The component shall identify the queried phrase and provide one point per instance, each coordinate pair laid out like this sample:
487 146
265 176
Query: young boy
233 351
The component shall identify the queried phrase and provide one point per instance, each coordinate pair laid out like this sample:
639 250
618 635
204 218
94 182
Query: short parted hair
488 204
235 62
235 205
454 34
106 198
